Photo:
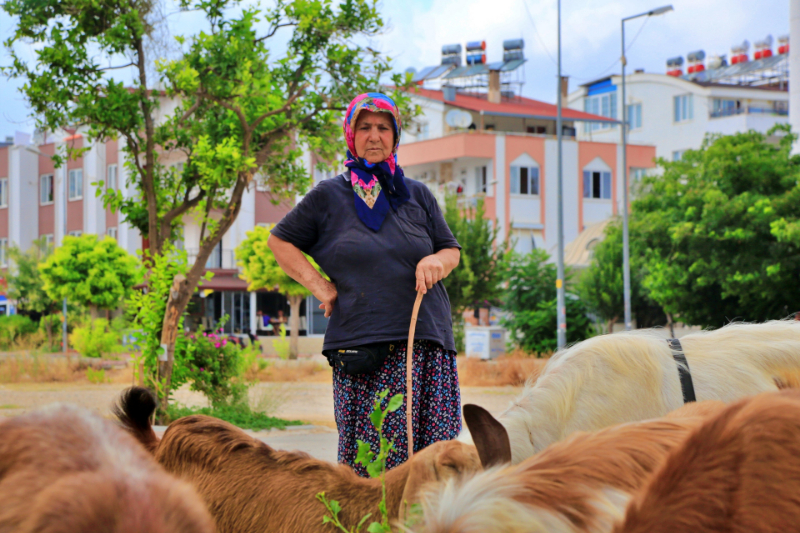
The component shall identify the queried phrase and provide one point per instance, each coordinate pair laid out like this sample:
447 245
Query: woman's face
374 136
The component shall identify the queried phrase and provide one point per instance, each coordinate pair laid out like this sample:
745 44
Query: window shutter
606 189
514 189
587 184
534 171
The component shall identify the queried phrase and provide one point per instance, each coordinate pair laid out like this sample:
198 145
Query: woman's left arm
436 267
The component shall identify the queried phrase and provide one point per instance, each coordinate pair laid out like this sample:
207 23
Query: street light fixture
626 256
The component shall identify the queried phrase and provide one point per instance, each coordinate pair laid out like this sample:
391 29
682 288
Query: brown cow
251 488
580 484
66 470
738 472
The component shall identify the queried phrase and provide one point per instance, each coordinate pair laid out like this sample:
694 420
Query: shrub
215 369
95 339
12 328
50 326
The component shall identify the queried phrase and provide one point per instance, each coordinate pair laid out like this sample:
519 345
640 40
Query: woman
381 237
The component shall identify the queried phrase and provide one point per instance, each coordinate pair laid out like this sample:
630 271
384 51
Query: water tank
512 55
474 46
514 44
693 57
476 59
675 61
451 60
450 49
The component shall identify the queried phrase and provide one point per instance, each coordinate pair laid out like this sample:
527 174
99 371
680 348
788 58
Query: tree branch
166 220
274 29
283 109
131 64
190 111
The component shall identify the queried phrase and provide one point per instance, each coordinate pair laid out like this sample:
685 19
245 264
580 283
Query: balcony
220 259
751 110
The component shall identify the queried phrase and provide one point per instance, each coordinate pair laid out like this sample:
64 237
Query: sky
590 34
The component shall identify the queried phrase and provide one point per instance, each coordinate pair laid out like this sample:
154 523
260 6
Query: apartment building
676 110
477 136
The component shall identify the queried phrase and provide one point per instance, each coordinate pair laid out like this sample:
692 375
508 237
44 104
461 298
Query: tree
477 279
261 271
601 286
530 298
239 114
722 230
25 284
90 272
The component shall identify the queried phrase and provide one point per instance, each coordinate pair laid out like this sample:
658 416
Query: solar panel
422 74
497 65
512 65
457 73
439 71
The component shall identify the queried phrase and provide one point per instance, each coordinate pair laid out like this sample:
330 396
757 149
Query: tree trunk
671 325
181 292
610 325
93 312
294 324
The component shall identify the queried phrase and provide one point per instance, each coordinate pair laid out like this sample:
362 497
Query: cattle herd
605 440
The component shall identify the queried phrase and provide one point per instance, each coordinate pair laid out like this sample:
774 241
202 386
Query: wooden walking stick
410 374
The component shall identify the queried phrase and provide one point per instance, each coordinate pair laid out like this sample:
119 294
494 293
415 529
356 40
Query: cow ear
489 436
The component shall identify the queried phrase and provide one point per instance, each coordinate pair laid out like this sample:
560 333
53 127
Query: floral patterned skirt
436 409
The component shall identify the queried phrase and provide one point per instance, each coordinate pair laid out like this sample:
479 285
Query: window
4 192
46 189
423 131
3 253
637 174
677 155
634 116
683 108
111 178
604 105
76 184
524 180
112 232
596 184
46 242
75 233
480 179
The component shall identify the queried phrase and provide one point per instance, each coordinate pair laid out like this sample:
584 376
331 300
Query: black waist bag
360 359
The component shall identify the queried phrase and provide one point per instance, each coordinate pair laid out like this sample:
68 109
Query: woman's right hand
328 296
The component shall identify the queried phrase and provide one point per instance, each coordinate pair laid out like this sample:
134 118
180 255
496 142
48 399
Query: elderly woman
380 237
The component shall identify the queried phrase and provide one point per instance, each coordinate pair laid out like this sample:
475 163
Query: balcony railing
732 111
219 258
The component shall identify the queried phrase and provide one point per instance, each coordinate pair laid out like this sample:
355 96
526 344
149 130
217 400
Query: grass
239 415
10 406
512 370
35 368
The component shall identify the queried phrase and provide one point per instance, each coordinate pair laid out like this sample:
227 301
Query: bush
13 328
50 326
215 369
95 339
530 298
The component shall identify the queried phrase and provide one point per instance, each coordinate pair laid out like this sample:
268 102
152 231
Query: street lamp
626 254
561 304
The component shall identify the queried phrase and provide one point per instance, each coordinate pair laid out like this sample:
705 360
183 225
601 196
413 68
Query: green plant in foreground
375 465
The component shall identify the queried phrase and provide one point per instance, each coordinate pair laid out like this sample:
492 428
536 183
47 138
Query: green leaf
395 403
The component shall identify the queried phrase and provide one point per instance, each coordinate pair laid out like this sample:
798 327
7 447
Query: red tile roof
521 106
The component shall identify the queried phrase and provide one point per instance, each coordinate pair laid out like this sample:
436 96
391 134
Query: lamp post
626 255
561 305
